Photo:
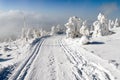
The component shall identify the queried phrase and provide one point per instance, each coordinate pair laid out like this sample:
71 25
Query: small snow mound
84 40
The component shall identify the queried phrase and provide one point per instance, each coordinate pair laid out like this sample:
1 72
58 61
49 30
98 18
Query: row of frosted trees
76 27
30 33
56 30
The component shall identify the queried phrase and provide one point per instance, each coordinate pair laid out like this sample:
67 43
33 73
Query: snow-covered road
58 62
51 63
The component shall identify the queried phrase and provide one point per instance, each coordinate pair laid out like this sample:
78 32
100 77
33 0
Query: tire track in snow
83 69
21 72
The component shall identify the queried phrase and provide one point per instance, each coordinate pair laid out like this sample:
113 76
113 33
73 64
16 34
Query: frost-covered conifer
101 27
109 24
70 32
58 28
112 23
116 23
23 34
53 30
73 26
29 34
84 30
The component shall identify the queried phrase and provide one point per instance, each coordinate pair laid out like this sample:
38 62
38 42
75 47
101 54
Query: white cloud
12 21
109 8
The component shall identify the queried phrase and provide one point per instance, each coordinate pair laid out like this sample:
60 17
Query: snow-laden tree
29 33
117 24
84 30
76 27
73 26
43 33
70 32
23 34
101 27
58 28
53 30
97 29
36 33
111 24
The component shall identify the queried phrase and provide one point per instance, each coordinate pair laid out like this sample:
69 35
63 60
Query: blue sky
64 8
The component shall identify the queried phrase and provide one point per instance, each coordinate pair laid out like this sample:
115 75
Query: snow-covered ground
12 52
12 55
103 51
107 47
58 58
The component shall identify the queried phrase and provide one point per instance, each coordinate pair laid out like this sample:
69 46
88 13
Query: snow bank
84 40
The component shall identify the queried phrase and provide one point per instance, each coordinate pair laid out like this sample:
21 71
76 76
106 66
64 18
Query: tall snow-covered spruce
84 30
101 26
